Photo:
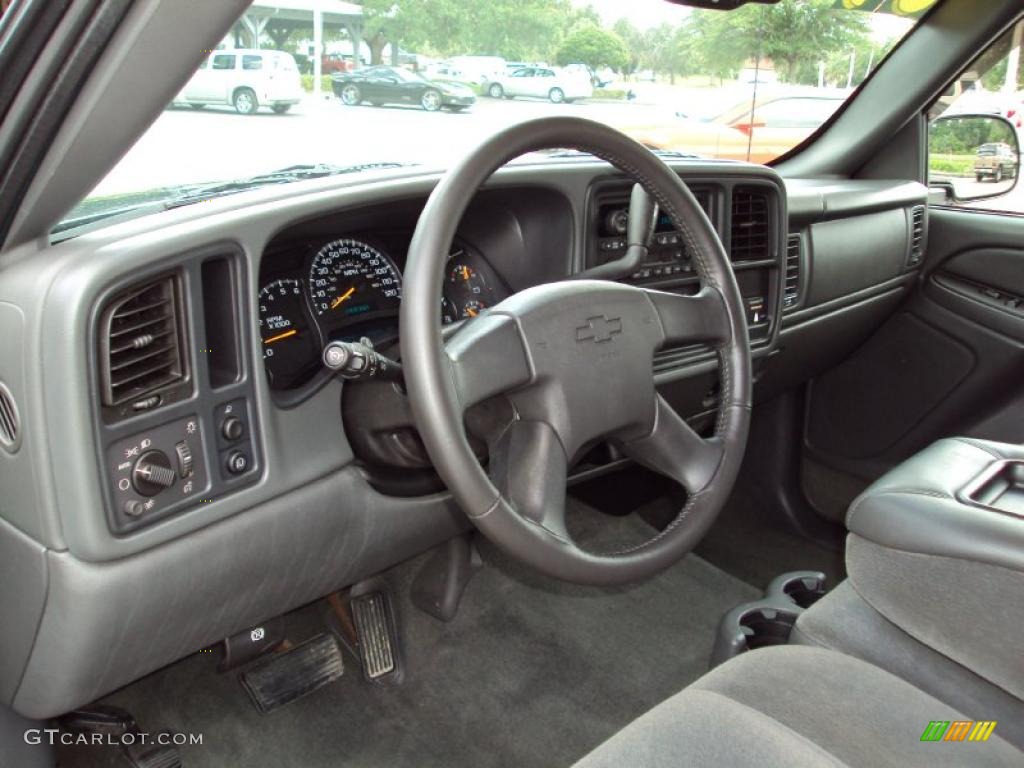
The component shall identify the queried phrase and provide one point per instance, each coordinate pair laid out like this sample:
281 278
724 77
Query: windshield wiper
174 197
192 194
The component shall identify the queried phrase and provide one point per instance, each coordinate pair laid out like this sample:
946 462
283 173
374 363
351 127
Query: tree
795 36
595 47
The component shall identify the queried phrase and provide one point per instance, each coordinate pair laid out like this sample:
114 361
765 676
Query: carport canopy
279 17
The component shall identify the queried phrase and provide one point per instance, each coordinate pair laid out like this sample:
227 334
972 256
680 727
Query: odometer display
351 282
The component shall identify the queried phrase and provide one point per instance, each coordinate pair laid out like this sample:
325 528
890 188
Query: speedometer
351 281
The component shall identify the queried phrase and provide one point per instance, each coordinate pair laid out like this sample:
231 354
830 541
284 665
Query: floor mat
532 672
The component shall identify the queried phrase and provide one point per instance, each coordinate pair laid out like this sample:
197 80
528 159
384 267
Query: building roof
302 10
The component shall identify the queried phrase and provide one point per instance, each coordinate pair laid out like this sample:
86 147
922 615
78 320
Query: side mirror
972 157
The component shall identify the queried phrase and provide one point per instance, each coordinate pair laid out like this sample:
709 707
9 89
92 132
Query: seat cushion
797 706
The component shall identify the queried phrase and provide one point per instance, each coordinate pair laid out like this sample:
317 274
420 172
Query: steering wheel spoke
673 449
691 319
529 467
487 357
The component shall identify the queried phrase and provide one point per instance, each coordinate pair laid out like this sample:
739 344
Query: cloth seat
797 706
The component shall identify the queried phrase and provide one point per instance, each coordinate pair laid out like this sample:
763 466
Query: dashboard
199 454
349 288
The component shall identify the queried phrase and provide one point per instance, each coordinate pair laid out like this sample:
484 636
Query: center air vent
9 424
751 232
140 343
791 278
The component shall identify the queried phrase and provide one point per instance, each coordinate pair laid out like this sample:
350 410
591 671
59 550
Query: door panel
950 363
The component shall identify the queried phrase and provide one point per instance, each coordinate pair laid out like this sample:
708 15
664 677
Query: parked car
395 85
337 62
775 125
245 79
543 83
479 70
995 161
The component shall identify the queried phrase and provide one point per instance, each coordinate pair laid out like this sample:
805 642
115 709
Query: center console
936 547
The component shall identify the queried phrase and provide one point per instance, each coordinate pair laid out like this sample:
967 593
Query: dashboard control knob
232 428
237 462
185 460
134 508
152 473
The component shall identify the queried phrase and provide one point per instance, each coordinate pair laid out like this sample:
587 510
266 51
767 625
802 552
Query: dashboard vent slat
10 425
791 279
751 230
141 348
916 235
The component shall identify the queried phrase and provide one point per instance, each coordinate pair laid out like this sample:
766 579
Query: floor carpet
531 672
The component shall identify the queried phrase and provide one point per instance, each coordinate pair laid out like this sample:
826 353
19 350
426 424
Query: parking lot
188 146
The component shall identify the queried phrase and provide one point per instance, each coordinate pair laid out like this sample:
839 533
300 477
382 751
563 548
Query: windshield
415 82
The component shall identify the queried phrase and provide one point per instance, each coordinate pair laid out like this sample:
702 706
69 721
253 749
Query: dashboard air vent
791 279
10 426
140 342
916 235
751 232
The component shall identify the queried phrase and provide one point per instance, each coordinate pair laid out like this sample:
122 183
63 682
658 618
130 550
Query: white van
245 79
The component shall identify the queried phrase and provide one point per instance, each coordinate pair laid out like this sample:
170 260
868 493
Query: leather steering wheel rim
534 347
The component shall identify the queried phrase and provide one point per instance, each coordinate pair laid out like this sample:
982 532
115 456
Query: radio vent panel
751 230
141 344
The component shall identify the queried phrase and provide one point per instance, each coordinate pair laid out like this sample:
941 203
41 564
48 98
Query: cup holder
804 588
770 620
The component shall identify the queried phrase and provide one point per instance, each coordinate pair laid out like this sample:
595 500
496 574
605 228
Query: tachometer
351 281
290 349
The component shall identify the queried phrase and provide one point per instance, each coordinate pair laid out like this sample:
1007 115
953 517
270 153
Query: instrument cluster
350 288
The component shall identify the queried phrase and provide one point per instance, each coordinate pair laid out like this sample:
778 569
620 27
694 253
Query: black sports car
394 85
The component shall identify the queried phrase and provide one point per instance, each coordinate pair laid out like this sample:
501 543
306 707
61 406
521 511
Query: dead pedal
377 636
281 678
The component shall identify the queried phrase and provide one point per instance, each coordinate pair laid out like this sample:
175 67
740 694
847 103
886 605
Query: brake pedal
377 636
284 677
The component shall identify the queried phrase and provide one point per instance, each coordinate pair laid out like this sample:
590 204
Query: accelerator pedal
281 678
377 636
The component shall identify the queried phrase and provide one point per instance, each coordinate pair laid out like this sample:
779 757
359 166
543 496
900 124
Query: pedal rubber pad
377 635
282 678
153 757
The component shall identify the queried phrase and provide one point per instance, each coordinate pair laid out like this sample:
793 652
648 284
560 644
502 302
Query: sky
643 13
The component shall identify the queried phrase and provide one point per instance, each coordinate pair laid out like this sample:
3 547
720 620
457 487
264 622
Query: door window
223 61
252 62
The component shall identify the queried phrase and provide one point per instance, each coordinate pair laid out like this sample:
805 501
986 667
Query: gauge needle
465 273
471 312
280 336
345 295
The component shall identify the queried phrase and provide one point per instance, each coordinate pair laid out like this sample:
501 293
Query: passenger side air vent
9 424
751 232
791 278
140 344
916 236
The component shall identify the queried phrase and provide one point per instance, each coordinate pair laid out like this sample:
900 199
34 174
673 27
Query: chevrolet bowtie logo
599 329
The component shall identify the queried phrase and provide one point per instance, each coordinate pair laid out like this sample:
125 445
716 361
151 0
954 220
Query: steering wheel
574 359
